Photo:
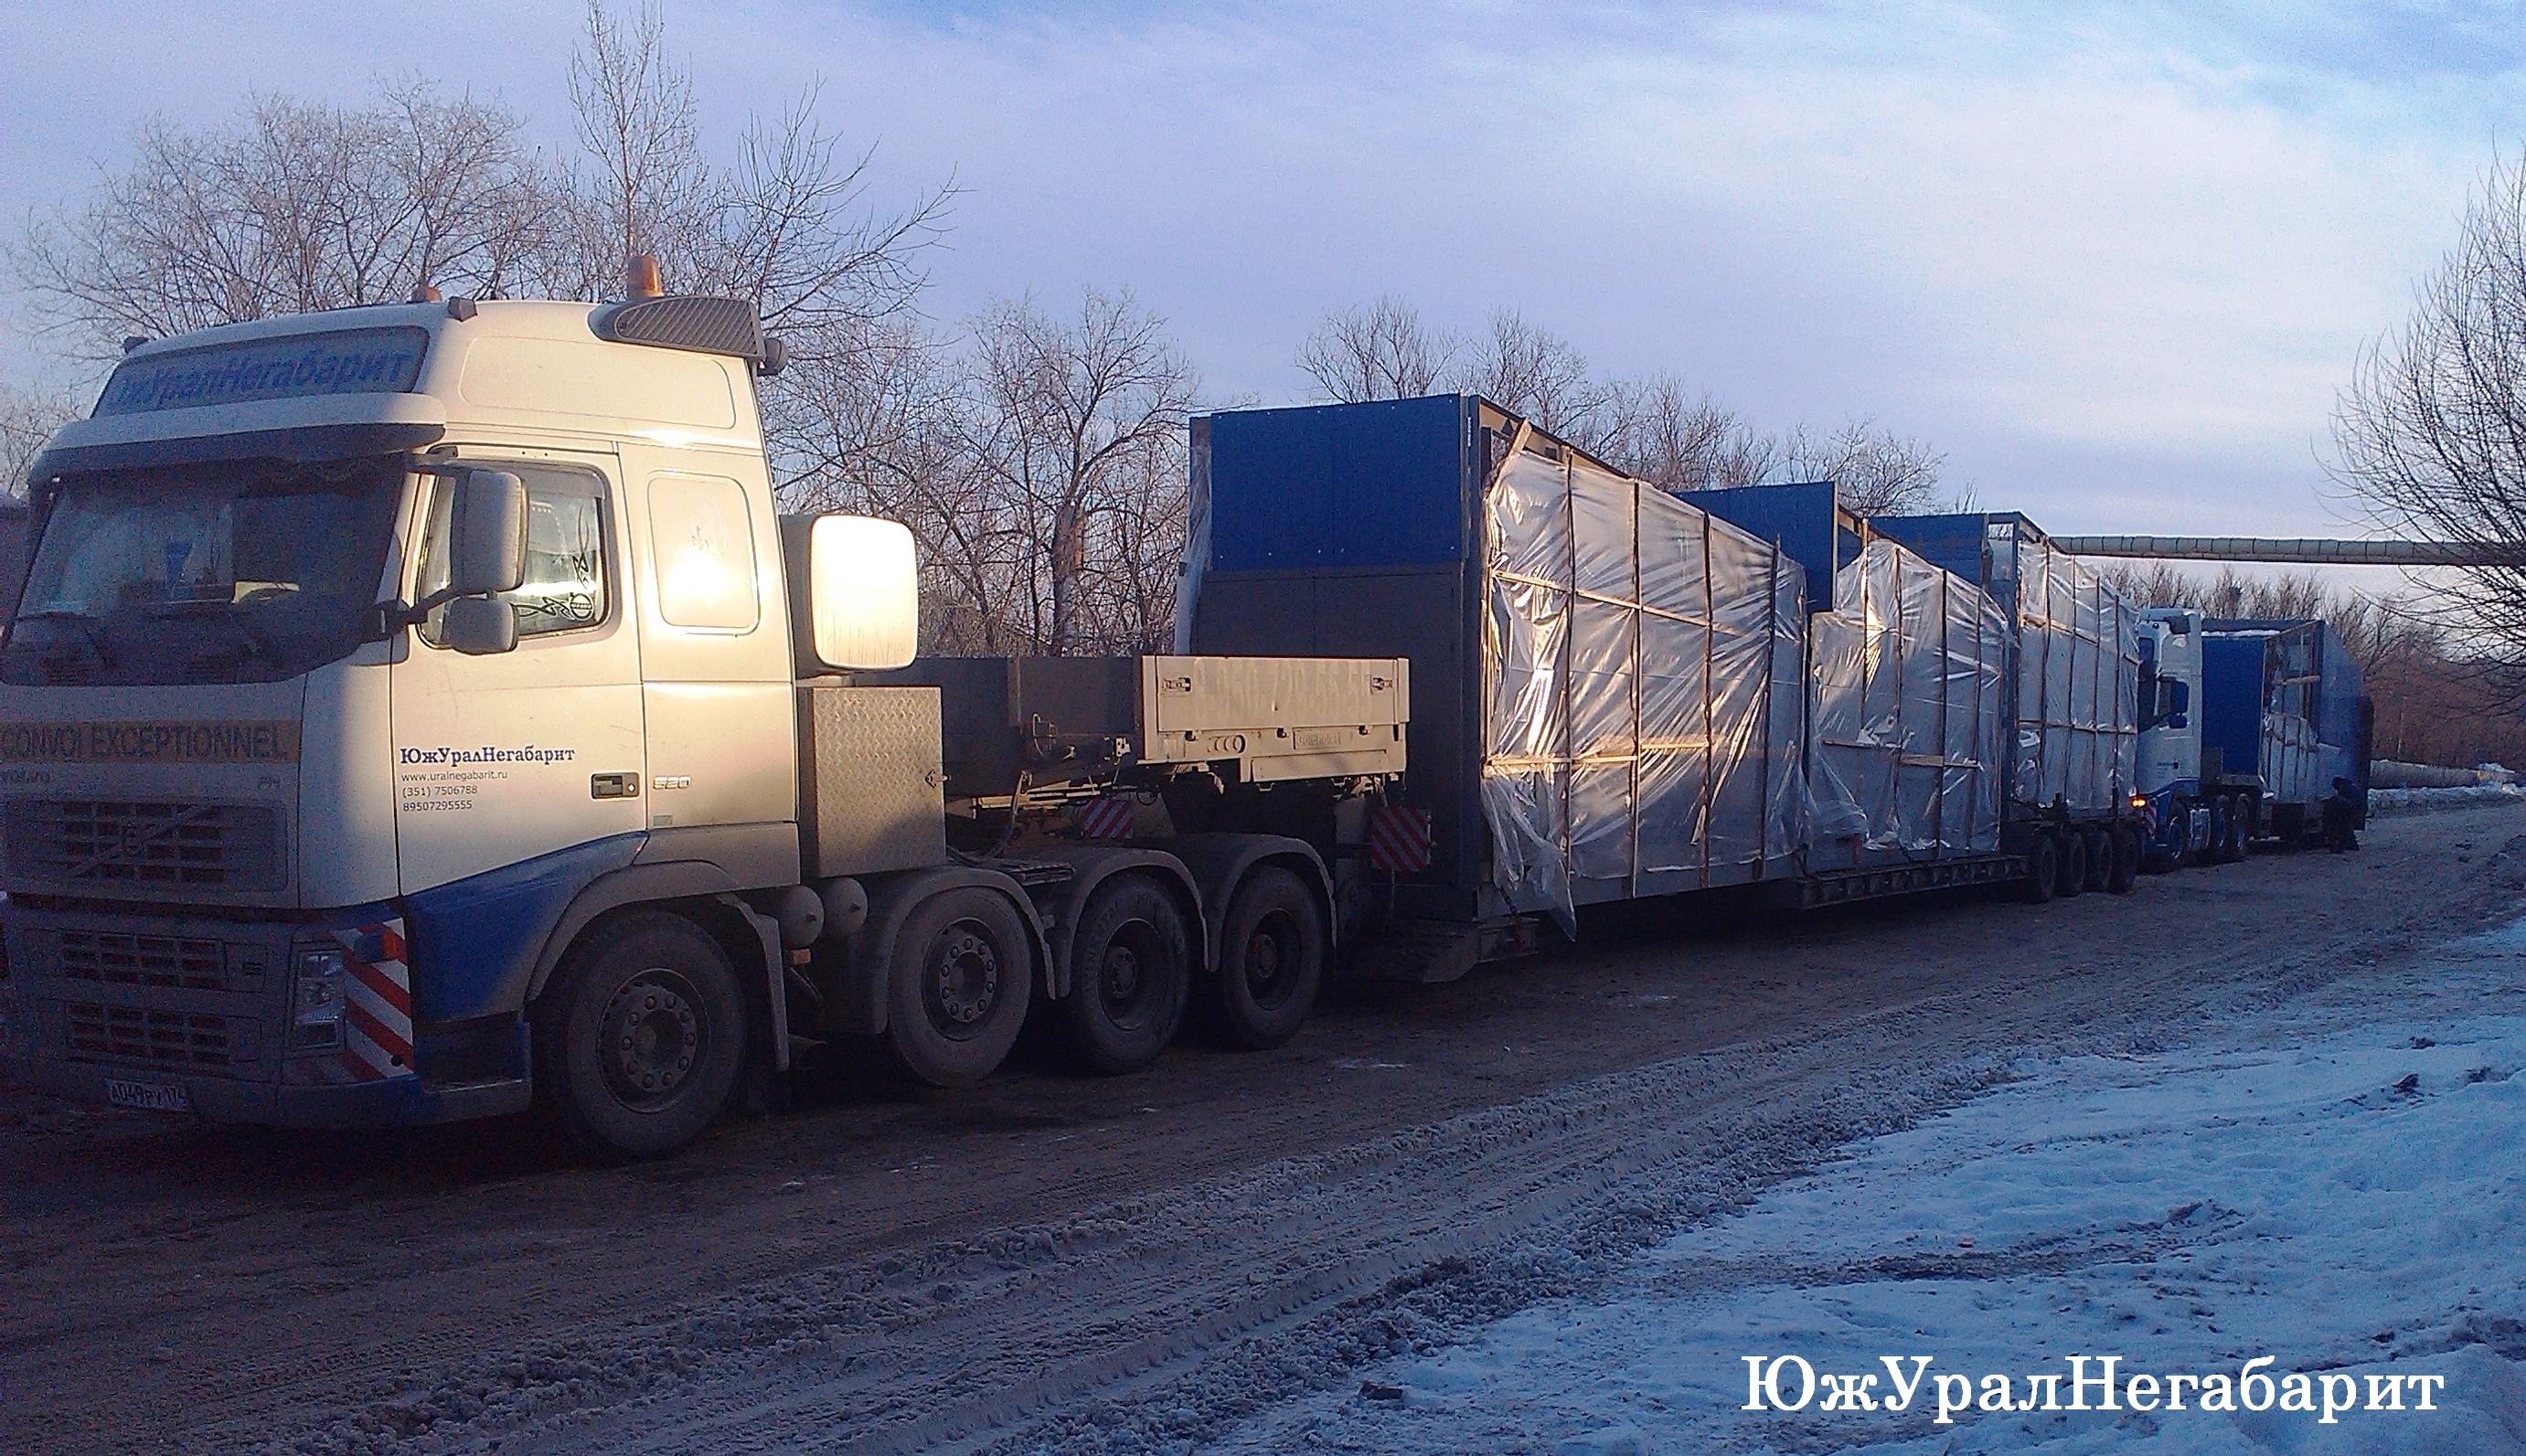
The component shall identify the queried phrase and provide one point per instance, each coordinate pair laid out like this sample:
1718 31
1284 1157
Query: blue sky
2114 259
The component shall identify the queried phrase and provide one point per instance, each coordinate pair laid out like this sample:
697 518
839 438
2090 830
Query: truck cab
417 710
2179 822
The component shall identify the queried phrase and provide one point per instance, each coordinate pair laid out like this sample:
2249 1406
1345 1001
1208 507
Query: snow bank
2384 801
2342 1200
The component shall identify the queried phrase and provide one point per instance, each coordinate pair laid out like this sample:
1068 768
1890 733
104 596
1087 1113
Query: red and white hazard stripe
1107 818
376 1010
1398 839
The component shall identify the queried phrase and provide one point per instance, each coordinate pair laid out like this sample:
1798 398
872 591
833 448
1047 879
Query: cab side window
567 557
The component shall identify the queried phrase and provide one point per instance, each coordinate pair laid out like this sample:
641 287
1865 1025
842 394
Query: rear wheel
640 1037
1272 950
1131 969
2214 847
2043 870
2100 858
2074 864
964 972
2241 833
2125 874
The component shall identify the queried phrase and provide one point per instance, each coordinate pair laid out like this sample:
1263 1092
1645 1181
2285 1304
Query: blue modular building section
1905 683
2236 672
2284 699
1605 682
2073 666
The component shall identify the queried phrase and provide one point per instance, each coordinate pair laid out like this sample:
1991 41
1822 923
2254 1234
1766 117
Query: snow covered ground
2339 1184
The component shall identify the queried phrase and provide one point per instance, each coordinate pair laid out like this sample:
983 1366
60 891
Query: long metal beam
2302 550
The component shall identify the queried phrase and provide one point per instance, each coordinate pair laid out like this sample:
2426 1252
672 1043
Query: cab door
505 758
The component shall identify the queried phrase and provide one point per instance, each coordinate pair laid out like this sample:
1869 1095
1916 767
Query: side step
1428 952
1841 887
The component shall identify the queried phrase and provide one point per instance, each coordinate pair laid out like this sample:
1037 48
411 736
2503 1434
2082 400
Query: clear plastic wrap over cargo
1641 672
1906 732
2078 680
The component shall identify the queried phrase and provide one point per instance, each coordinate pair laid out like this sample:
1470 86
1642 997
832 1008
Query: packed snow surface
2339 1186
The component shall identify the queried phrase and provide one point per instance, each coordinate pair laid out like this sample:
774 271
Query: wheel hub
964 979
652 1038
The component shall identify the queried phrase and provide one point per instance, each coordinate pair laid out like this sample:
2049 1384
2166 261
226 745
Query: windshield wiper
89 637
226 611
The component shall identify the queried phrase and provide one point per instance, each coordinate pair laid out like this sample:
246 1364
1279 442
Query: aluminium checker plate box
871 797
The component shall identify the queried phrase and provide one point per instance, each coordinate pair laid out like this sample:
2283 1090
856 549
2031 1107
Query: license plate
149 1096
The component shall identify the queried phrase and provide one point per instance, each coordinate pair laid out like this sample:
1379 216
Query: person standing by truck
2340 815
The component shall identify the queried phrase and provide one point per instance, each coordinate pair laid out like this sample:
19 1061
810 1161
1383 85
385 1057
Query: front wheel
640 1037
1272 952
956 997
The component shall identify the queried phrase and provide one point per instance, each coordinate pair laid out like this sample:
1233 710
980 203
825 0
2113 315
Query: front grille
174 1040
179 963
99 843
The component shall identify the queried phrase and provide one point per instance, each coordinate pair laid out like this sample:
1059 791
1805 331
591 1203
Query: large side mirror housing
854 592
486 534
478 625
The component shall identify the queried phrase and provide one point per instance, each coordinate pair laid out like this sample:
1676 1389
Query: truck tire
2247 808
1271 955
957 994
2100 858
1130 973
2125 874
2043 870
2214 848
640 1037
2074 865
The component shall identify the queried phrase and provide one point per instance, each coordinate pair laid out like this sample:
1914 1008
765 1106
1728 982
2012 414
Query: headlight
315 1000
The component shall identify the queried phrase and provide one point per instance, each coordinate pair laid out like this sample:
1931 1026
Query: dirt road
1115 1264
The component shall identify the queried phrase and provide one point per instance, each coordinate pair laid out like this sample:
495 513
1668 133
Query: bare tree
28 416
296 205
1661 431
1532 372
1875 472
2430 435
1080 425
1382 350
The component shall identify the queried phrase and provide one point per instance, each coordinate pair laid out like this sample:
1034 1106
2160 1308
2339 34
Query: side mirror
479 626
854 592
487 536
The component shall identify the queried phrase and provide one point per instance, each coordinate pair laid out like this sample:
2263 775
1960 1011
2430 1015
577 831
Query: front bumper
403 1102
201 1003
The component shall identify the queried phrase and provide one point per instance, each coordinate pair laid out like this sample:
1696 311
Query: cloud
2114 258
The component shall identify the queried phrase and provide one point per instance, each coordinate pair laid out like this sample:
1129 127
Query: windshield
240 571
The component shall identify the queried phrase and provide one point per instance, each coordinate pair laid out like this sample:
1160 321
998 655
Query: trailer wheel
1130 972
1271 961
2074 864
2043 870
2100 858
640 1037
2124 878
957 997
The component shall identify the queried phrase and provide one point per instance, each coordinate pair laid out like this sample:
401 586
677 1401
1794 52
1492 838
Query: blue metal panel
1800 519
1334 486
475 941
2233 684
1953 541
